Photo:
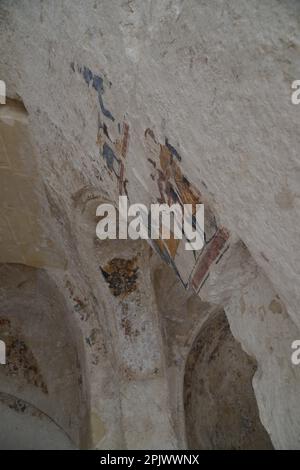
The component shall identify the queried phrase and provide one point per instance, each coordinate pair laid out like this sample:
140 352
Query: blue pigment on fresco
109 157
173 150
97 84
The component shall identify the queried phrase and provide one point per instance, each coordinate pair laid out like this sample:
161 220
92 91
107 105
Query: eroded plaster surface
162 101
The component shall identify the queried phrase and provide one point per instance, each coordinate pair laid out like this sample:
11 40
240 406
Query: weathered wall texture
162 101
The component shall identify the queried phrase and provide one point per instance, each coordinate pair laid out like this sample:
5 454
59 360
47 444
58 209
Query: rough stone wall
161 101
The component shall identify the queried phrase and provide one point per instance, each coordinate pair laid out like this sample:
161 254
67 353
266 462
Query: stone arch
43 364
220 406
23 426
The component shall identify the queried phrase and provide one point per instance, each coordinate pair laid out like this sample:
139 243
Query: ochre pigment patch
121 276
